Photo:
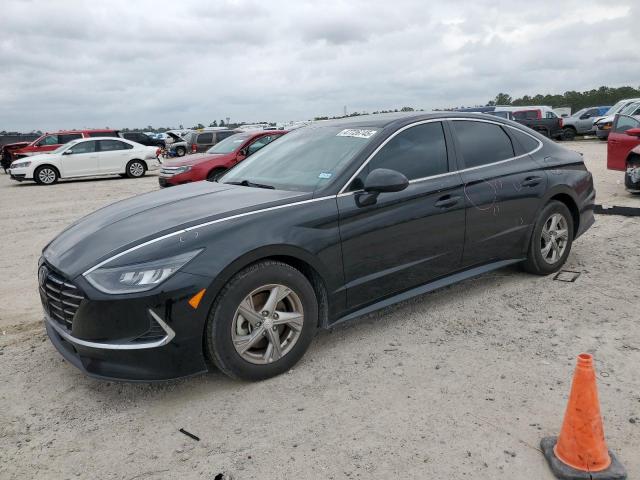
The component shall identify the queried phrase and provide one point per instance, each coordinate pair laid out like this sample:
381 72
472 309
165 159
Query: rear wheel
551 239
262 322
46 175
136 169
215 174
568 133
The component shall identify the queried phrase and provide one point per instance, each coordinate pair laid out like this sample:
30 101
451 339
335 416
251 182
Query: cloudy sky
67 64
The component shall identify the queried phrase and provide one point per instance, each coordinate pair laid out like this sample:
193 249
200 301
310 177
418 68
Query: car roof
86 130
382 120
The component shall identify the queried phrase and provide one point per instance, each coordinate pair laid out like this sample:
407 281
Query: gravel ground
462 382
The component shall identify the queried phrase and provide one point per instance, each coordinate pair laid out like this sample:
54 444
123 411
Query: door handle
447 201
531 181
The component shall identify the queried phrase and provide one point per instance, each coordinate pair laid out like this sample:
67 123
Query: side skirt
426 288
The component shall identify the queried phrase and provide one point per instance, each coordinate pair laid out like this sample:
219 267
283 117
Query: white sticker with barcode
357 133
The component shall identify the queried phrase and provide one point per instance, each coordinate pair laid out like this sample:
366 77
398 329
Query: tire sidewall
534 251
218 333
181 151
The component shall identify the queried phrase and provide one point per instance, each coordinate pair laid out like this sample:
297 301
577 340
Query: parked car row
604 124
541 119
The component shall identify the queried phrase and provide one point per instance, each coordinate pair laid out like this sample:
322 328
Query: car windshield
629 109
303 160
62 148
579 112
616 107
230 144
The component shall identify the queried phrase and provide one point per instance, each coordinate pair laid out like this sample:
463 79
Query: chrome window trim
200 225
170 334
342 191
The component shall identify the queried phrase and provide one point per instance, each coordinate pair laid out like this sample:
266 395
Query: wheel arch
56 168
633 156
571 204
298 258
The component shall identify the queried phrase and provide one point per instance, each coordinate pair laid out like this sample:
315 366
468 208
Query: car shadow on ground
205 384
29 183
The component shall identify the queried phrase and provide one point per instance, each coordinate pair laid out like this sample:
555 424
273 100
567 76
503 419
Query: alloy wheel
47 175
136 169
267 324
554 238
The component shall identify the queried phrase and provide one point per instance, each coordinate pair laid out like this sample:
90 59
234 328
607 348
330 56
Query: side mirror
379 181
67 152
633 132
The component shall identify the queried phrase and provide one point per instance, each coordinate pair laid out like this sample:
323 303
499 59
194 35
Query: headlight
184 168
20 164
139 277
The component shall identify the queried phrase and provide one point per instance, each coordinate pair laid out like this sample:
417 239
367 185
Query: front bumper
17 176
603 133
143 338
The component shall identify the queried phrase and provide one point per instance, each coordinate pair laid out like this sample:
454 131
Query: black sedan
333 221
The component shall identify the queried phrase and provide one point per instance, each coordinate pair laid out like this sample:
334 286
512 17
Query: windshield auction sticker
357 133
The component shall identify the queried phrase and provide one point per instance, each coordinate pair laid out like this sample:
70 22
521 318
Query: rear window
110 145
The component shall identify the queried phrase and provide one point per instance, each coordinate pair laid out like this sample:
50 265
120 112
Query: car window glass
550 115
223 135
103 134
417 152
111 145
83 147
482 143
67 137
205 138
259 143
525 142
624 123
49 140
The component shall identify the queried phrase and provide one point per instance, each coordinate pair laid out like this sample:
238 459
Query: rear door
81 159
620 144
502 190
113 156
410 237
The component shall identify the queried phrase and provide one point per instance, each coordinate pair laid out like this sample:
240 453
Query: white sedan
85 158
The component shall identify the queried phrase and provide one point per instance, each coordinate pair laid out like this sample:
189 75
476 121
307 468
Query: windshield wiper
247 183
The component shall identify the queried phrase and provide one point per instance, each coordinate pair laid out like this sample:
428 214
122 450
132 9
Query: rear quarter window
523 143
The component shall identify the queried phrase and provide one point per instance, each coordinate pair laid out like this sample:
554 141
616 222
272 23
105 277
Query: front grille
60 298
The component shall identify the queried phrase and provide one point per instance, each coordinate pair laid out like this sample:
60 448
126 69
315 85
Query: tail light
194 148
561 122
158 151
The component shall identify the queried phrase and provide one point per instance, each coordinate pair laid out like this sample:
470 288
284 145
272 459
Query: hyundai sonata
332 221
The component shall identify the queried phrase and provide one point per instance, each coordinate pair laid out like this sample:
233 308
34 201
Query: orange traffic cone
580 452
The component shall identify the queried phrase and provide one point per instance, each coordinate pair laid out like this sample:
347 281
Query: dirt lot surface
460 383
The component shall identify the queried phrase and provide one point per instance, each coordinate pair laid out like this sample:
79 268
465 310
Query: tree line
575 100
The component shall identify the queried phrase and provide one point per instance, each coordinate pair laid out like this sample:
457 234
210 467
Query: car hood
196 161
608 118
36 158
125 224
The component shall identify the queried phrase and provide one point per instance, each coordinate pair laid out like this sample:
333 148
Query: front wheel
46 175
568 134
181 151
262 322
136 169
551 239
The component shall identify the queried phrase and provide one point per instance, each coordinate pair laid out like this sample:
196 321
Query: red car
623 150
219 158
50 141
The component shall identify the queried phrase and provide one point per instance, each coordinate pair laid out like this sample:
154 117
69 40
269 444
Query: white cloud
123 63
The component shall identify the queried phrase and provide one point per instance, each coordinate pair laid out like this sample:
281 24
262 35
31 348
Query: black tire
535 263
46 175
603 139
136 169
568 134
219 344
215 174
181 151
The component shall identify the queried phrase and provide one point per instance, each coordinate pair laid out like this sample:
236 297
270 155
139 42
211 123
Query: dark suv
143 139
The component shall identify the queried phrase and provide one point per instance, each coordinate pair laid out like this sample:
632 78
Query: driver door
410 237
80 159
